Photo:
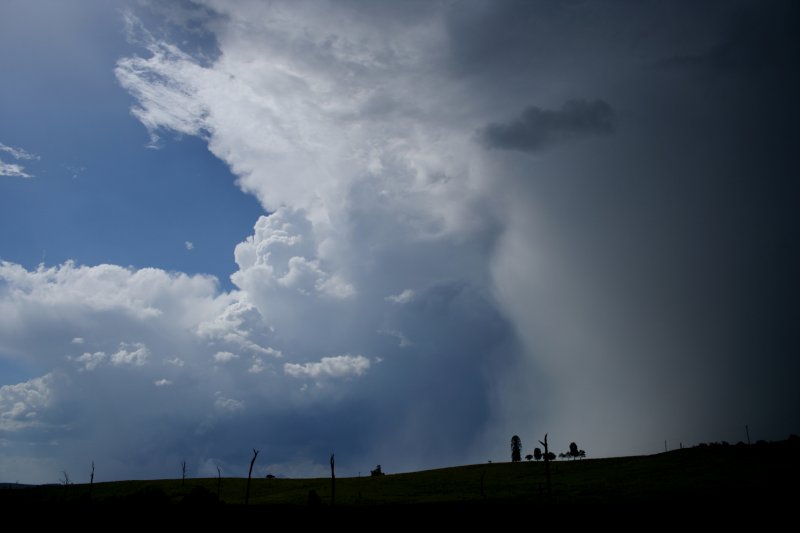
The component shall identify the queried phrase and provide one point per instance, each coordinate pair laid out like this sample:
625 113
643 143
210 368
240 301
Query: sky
396 232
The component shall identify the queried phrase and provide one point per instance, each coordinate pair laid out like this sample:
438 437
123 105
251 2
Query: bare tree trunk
250 475
333 484
547 466
66 483
91 481
183 472
219 482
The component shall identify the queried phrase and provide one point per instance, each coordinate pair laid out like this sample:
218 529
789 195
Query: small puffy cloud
537 128
189 245
402 298
224 357
130 354
257 367
89 361
162 382
77 340
227 404
334 367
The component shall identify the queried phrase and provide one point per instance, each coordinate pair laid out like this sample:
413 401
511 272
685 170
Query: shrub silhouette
528 457
537 454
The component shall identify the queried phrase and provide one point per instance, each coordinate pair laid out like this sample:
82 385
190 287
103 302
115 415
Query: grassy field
764 473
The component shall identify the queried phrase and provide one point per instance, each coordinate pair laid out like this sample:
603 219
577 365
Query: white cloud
227 404
15 169
20 403
189 245
224 357
135 354
89 360
236 326
402 298
334 367
77 340
162 382
257 367
17 153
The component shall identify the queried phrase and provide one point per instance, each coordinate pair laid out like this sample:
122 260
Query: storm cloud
418 287
538 128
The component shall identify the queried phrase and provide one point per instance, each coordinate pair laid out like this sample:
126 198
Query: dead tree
333 484
65 481
250 475
91 480
183 472
547 466
219 482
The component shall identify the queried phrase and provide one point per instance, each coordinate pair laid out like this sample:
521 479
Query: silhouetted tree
377 472
250 475
333 484
516 449
537 454
581 454
528 457
549 456
563 455
547 460
573 450
183 472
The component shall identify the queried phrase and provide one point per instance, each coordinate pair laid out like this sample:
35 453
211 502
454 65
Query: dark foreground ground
735 485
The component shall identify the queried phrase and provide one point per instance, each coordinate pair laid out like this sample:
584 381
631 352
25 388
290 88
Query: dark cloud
538 128
754 39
